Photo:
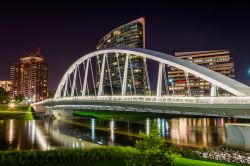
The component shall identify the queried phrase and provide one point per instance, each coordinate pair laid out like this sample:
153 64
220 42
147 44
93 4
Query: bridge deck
202 109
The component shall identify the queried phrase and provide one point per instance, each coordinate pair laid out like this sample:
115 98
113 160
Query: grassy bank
178 162
83 163
193 162
19 108
112 156
18 112
118 115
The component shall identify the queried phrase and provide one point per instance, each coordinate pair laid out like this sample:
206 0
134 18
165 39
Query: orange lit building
29 77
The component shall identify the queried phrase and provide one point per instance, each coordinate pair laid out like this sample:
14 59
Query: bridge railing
162 99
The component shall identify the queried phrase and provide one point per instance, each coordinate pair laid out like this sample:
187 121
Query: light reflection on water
10 133
201 132
93 129
52 133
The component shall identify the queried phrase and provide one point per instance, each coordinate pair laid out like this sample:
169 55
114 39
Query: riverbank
17 112
225 154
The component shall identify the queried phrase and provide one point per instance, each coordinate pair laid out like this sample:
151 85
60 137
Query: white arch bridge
75 86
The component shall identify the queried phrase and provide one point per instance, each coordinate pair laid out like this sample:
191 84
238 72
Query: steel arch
213 77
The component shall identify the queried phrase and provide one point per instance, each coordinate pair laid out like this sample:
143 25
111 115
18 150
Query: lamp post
171 81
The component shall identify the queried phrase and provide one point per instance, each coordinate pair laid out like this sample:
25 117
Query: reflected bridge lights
78 144
147 126
112 131
11 131
164 128
93 126
31 130
162 125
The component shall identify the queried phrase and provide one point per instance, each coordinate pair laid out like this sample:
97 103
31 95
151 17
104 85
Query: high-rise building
14 77
6 85
29 77
131 34
186 84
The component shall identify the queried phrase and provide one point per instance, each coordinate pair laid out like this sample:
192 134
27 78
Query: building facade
6 85
131 34
29 77
185 84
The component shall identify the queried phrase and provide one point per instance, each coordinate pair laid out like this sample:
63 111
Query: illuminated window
117 32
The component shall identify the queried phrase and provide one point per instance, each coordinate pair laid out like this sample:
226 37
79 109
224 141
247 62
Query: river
49 133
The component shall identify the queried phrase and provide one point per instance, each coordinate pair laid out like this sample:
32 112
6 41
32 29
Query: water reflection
147 126
93 129
52 133
200 132
112 132
10 134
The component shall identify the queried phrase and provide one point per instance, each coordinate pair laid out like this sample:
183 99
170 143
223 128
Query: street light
29 100
172 83
130 88
12 105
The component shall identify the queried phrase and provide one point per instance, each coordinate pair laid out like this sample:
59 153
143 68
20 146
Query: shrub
187 153
65 155
151 150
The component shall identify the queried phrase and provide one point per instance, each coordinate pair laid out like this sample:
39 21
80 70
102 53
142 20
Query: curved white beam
211 76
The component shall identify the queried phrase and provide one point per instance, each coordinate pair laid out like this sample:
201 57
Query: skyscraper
30 77
131 34
186 84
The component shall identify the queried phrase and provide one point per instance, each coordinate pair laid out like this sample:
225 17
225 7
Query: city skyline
65 32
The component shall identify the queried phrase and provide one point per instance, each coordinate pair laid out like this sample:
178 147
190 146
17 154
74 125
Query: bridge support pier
159 81
213 91
187 82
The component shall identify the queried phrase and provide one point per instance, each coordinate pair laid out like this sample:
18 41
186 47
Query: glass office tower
132 35
186 84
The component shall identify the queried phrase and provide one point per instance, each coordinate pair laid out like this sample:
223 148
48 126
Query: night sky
65 30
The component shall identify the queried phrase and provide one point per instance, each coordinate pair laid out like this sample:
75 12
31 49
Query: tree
19 98
51 93
151 150
3 96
